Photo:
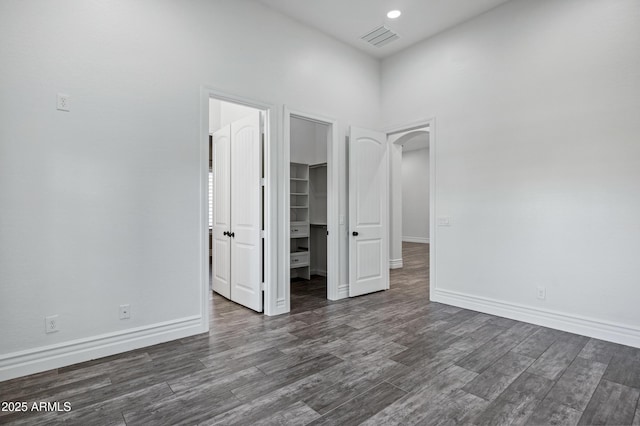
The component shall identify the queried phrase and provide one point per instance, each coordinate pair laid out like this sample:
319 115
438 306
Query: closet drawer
298 260
299 229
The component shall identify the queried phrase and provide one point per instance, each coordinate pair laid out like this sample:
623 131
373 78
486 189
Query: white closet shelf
299 193
299 179
299 207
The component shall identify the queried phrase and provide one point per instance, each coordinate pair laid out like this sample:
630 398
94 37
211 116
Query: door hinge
262 234
261 286
263 182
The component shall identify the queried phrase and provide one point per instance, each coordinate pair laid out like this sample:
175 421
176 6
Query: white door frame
431 122
333 242
270 201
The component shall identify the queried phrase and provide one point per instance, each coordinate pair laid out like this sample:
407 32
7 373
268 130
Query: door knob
225 233
354 233
232 234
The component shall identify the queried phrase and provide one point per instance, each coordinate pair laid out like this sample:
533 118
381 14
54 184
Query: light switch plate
444 221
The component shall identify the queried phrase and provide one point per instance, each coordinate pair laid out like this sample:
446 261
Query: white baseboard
279 309
395 263
419 240
612 332
23 363
343 291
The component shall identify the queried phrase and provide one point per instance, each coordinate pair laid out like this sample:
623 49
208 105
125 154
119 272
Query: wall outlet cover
63 102
51 324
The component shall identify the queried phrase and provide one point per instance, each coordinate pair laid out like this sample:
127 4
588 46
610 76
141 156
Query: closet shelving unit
299 218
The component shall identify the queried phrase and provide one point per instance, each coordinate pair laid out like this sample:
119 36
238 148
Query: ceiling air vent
380 36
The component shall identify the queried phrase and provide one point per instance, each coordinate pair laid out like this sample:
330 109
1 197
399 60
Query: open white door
246 212
221 268
368 206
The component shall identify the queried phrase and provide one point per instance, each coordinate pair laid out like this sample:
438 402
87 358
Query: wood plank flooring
381 359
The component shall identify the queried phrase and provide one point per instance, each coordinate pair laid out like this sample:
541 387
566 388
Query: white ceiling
348 20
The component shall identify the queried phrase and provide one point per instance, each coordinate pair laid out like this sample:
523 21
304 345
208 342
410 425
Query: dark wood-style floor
386 358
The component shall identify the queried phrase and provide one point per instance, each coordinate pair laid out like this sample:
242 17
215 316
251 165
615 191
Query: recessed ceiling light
394 14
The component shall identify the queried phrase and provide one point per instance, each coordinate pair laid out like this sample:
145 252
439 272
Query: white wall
395 201
101 205
538 162
415 195
308 141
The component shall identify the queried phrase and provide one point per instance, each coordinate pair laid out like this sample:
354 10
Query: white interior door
246 212
221 244
368 206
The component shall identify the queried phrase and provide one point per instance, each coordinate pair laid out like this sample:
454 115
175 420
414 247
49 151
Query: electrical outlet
125 312
64 102
51 324
542 293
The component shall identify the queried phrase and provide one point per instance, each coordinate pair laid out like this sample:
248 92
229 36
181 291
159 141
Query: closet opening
311 223
236 200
